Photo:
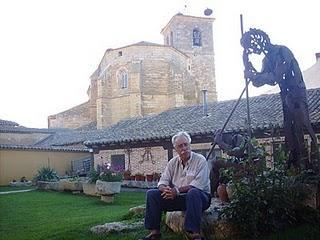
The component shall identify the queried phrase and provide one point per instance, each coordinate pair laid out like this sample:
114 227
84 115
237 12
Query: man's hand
168 192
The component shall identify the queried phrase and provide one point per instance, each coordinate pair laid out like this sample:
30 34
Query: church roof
144 43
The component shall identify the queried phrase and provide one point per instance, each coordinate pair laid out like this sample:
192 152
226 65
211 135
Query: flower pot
132 177
149 177
222 192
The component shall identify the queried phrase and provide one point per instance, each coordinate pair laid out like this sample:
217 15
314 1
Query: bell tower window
196 35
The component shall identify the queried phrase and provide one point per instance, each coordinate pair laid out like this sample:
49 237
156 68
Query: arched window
196 35
123 79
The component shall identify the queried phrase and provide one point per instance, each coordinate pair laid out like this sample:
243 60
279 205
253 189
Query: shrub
47 174
93 176
266 200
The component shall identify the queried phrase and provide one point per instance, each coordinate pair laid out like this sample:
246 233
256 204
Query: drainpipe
205 104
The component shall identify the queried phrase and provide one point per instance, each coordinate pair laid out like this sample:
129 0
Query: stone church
148 78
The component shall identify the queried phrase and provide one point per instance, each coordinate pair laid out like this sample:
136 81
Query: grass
56 215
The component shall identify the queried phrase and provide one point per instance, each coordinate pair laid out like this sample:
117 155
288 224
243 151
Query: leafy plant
47 174
110 176
93 176
266 200
225 175
106 173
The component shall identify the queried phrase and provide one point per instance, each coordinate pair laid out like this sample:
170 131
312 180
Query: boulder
115 227
211 223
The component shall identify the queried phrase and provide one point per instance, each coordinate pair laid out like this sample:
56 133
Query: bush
47 174
267 200
93 176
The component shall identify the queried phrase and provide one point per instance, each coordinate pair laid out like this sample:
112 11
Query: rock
115 227
211 224
138 210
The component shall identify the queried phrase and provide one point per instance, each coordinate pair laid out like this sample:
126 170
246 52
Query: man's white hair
180 134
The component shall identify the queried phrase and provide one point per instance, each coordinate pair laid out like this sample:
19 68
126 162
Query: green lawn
55 215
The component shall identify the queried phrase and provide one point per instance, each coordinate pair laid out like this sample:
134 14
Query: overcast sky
49 48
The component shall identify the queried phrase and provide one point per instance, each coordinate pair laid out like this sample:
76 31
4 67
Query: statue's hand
218 136
257 83
250 72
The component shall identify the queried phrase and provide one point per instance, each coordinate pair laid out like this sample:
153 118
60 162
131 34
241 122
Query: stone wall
72 118
201 66
141 159
155 83
160 77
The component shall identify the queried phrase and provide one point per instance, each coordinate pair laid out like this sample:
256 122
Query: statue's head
255 41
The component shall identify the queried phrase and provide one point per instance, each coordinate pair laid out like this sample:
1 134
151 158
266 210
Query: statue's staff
248 67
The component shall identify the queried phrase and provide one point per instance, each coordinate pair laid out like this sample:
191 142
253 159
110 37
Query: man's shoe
152 237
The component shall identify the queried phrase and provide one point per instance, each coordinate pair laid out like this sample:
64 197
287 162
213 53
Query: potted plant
140 177
47 178
156 176
108 183
224 179
127 175
149 177
89 187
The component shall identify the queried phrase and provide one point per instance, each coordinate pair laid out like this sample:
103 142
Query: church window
123 79
196 35
120 53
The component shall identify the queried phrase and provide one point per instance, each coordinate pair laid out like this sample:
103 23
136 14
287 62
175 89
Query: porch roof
157 130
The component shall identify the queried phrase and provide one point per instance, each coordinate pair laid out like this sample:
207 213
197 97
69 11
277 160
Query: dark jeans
193 203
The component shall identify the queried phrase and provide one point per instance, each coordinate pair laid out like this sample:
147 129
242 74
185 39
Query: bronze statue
235 145
238 147
280 67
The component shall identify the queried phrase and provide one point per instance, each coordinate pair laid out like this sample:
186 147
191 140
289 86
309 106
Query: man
280 67
184 186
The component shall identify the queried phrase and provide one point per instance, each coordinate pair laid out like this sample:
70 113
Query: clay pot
222 192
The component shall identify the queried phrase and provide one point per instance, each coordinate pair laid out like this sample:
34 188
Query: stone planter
71 185
90 189
44 185
107 190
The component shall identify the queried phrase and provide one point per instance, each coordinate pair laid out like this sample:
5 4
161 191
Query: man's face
182 147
